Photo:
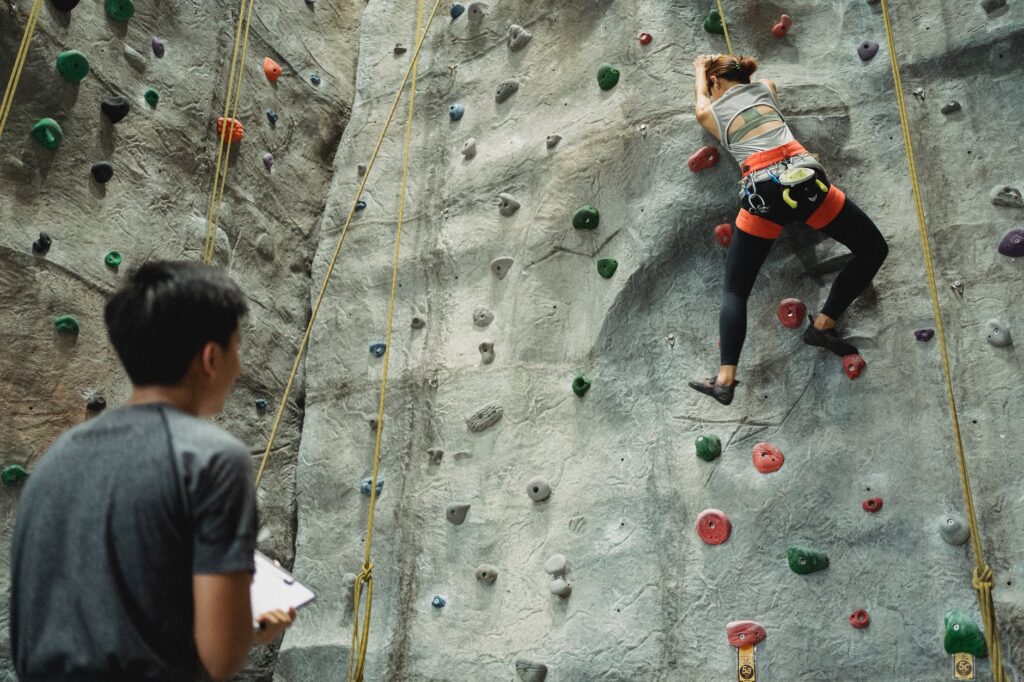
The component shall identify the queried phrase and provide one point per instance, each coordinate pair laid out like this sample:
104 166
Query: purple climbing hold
867 49
158 47
1012 243
268 160
924 334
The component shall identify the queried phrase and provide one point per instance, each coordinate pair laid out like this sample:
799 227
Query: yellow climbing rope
19 63
725 27
982 577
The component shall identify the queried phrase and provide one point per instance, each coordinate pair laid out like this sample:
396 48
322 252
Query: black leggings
851 227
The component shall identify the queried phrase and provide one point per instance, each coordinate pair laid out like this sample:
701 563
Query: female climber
782 183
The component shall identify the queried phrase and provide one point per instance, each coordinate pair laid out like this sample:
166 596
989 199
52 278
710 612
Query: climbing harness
794 173
19 63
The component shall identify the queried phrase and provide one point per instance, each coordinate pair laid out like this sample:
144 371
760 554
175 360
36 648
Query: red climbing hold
703 158
780 29
646 38
224 125
744 633
791 313
872 505
860 619
853 365
723 233
713 527
768 458
271 69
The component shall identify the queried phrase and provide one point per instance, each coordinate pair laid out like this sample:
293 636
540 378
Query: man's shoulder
201 437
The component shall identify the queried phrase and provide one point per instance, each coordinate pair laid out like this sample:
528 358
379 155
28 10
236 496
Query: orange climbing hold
230 124
271 69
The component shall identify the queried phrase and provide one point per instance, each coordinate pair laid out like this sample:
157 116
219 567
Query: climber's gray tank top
733 103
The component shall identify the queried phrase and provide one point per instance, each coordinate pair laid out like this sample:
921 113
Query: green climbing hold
963 636
66 324
580 385
803 560
713 23
113 259
586 218
47 132
606 267
607 76
152 97
13 475
120 10
709 447
72 65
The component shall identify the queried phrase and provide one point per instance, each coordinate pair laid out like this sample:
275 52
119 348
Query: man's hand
273 624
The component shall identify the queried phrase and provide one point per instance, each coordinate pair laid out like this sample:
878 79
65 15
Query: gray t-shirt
114 521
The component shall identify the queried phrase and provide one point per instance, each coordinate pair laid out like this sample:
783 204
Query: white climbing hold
530 671
1003 195
560 587
486 573
478 10
486 352
484 418
482 317
456 513
517 37
553 141
469 148
507 204
538 489
137 60
500 266
556 564
997 334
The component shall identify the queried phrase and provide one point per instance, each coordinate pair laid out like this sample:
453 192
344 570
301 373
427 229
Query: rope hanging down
19 63
982 577
725 27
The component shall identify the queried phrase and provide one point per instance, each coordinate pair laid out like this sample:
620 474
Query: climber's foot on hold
830 339
711 387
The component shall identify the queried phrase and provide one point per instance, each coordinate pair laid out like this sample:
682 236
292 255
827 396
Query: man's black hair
166 313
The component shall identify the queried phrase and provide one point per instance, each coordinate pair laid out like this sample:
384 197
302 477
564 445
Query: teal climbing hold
580 385
47 132
120 10
586 218
13 475
113 259
713 23
804 560
709 447
607 76
963 636
66 324
606 267
72 66
152 97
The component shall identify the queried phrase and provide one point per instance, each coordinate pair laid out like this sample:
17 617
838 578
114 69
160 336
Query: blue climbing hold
456 111
272 116
457 10
315 79
360 205
261 403
378 349
438 602
367 483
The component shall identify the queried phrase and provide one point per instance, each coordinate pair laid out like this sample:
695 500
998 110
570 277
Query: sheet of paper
275 588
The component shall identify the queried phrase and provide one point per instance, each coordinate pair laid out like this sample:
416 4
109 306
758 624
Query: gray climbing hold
484 418
400 48
954 530
538 489
951 107
361 170
560 587
456 513
136 59
556 564
478 10
486 573
867 49
957 287
349 582
517 37
997 334
469 148
992 5
553 141
42 245
507 204
435 455
268 160
506 89
418 323
265 246
1003 195
500 266
531 671
482 316
486 352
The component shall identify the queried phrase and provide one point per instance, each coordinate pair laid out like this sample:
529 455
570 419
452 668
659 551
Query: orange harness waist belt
760 160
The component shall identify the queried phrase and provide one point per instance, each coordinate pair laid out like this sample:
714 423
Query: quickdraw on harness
794 174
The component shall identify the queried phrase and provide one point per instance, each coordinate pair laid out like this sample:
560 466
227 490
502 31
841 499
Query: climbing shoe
711 387
828 338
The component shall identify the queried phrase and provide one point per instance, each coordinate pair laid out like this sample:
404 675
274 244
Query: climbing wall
482 573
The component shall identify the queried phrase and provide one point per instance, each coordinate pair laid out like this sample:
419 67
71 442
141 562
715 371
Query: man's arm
223 622
703 99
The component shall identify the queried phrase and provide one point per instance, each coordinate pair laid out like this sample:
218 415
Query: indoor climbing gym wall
484 244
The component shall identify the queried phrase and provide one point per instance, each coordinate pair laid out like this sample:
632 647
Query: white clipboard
274 588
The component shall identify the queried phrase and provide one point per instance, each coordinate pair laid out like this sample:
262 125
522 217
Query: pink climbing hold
791 313
872 505
860 619
744 633
713 527
767 458
854 365
646 38
723 233
703 158
781 28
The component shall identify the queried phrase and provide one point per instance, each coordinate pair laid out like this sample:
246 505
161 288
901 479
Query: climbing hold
469 148
418 323
951 107
957 287
457 10
152 97
1012 243
723 233
853 365
553 141
507 204
360 205
606 267
400 49
361 170
456 513
115 107
230 126
435 455
538 489
556 564
867 49
113 259
42 245
953 530
517 37
138 61
438 602
158 47
580 385
703 158
271 69
486 352
13 475
791 313
261 403
560 587
482 316
102 171
47 132
500 266
486 573
744 633
366 485
713 22
924 334
96 404
1001 195
859 619
713 527
963 636
607 76
782 26
586 218
72 66
529 671
709 447
65 5
768 458
477 10
803 560
66 324
506 89
377 349
268 160
272 117
456 111
872 505
919 93
315 79
120 10
997 334
992 5
484 418
646 38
